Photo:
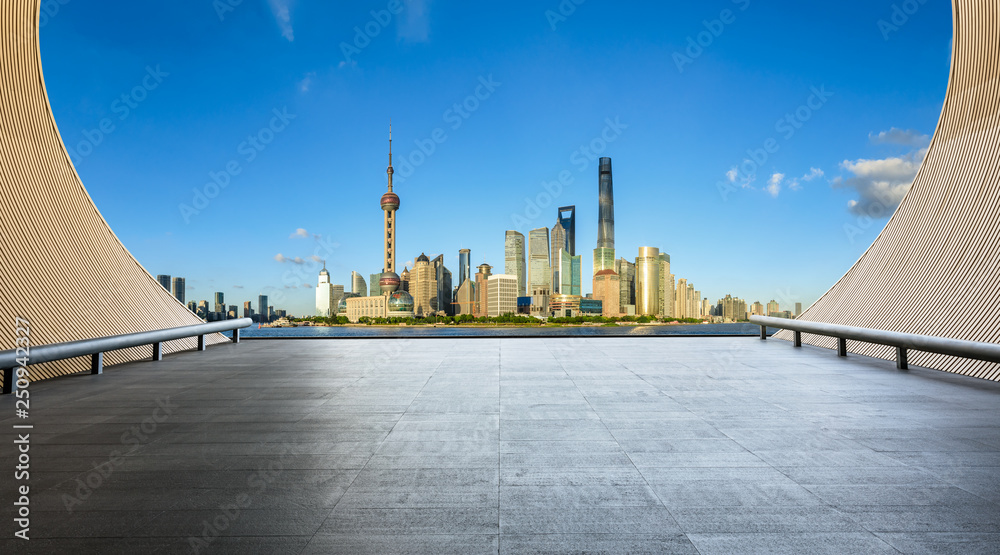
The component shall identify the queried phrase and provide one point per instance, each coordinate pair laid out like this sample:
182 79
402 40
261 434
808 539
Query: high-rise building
336 295
680 299
424 286
262 308
178 284
539 269
607 289
358 285
706 308
757 309
568 273
389 282
463 266
647 281
567 217
373 280
798 309
220 303
203 310
442 277
481 307
606 205
666 287
192 306
465 298
247 309
324 295
772 307
514 260
164 281
501 295
231 313
692 301
626 281
604 254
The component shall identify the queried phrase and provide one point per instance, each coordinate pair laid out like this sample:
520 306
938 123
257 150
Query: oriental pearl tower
389 281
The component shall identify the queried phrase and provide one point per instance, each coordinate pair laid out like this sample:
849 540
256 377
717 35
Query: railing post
841 347
97 363
236 335
157 351
798 339
901 363
9 381
763 333
201 342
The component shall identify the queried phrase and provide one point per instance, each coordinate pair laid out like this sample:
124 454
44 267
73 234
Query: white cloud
307 285
414 23
283 259
813 174
306 82
895 136
731 175
880 184
774 184
795 183
237 287
316 258
282 14
300 232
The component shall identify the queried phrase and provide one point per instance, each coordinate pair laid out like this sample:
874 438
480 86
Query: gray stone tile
554 544
790 543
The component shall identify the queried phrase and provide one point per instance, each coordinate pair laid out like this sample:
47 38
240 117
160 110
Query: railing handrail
927 343
84 347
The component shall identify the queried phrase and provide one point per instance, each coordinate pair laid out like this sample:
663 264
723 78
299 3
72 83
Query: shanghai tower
604 254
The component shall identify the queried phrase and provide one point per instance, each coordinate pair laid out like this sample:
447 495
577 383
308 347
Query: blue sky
761 144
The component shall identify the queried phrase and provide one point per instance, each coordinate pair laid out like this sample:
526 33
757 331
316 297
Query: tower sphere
389 282
390 201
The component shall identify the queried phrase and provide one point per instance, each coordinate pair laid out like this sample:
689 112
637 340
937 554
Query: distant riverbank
505 330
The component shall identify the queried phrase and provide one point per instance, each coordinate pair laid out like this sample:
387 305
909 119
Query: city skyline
678 126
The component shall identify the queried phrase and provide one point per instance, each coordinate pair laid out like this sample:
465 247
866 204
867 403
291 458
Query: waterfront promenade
638 445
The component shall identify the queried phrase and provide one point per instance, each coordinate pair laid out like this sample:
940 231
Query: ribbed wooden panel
61 266
935 268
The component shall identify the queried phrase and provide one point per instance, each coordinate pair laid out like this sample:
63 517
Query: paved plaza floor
609 445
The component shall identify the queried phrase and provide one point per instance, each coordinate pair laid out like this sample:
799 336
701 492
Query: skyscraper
604 254
514 259
681 299
567 217
539 269
220 303
358 285
262 308
463 266
389 281
482 300
626 282
178 283
569 274
324 295
164 281
607 289
424 287
666 287
247 309
647 281
442 277
556 246
798 309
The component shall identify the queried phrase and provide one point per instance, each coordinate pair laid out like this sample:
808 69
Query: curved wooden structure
61 266
935 268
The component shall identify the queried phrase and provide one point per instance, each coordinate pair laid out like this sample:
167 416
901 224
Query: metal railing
903 342
95 348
